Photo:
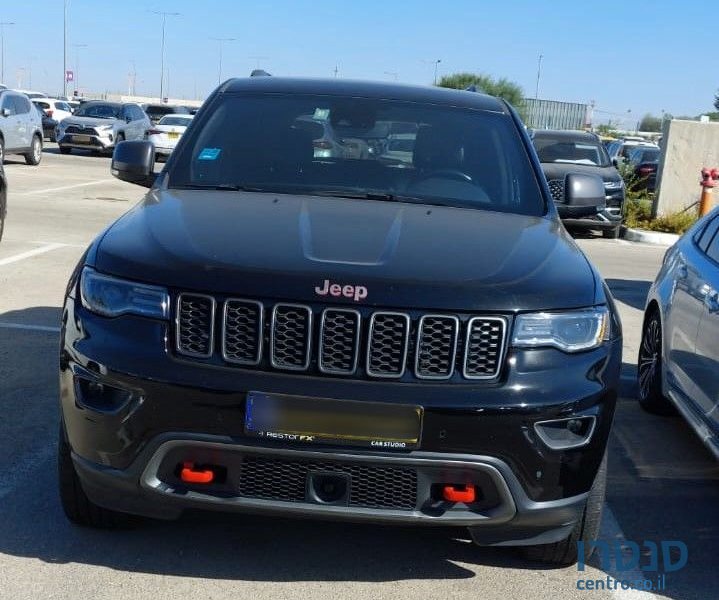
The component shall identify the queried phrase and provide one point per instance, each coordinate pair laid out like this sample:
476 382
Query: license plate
323 420
81 139
173 135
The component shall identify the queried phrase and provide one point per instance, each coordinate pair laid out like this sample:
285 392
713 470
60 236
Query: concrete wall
687 146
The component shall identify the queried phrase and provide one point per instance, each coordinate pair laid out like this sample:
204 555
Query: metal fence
550 114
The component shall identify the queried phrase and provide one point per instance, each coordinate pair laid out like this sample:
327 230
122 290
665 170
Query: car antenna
259 73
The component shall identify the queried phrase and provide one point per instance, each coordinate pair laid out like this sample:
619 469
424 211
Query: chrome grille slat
387 344
242 331
436 346
339 341
195 325
291 337
484 347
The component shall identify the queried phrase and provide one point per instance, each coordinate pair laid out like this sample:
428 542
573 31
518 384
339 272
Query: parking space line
20 326
30 253
66 187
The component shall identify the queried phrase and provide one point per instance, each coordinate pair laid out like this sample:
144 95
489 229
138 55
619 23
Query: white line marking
610 530
43 242
22 327
30 253
66 187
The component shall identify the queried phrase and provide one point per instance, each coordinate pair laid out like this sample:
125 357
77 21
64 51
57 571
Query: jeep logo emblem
356 292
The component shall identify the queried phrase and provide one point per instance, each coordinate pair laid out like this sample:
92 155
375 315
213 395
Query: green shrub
638 215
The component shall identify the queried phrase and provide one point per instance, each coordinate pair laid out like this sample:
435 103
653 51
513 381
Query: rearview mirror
584 196
134 162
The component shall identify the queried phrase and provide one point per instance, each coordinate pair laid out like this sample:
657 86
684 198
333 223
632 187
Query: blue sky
633 55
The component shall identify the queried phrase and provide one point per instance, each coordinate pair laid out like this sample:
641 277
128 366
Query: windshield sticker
209 154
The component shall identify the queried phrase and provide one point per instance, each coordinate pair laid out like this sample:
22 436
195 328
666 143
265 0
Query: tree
650 123
502 88
716 101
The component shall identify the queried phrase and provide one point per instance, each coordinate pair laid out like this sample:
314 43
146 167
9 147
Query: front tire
564 553
78 508
649 367
612 233
35 155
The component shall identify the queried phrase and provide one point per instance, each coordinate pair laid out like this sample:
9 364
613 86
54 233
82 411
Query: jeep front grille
340 341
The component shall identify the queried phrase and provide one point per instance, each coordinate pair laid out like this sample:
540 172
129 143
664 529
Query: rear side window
326 144
713 249
7 103
708 234
43 105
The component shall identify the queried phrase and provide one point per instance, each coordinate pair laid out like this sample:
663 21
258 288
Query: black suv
565 152
415 341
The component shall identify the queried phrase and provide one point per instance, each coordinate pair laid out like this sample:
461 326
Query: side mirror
134 162
5 112
128 118
584 196
615 162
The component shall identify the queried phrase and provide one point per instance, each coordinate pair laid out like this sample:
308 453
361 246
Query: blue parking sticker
209 154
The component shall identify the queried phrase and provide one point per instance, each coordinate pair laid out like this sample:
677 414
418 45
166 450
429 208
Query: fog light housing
564 434
100 396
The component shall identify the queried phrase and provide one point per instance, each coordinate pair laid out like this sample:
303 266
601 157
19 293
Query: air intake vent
242 337
339 341
388 340
195 321
436 346
484 348
291 337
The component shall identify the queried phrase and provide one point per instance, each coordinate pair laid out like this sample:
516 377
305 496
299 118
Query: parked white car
54 108
167 132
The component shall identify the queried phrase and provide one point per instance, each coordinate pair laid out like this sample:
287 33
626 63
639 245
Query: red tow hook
459 493
189 474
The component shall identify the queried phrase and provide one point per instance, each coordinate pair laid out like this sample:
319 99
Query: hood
292 248
88 121
560 170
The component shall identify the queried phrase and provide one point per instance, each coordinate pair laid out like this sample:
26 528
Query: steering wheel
447 174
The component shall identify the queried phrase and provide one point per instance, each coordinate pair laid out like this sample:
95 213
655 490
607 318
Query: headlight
614 185
112 297
570 331
104 128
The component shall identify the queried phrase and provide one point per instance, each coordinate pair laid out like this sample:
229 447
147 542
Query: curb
649 237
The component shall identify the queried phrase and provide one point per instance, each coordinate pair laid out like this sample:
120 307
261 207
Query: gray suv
99 125
20 127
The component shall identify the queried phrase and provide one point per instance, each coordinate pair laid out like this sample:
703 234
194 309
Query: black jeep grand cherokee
290 326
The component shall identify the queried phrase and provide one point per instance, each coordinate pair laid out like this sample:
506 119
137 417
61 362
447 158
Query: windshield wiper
223 187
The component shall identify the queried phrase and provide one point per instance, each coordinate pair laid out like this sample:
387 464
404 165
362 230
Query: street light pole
2 48
436 64
76 77
164 15
221 41
539 75
64 50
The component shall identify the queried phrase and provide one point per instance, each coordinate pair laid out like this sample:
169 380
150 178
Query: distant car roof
366 89
564 134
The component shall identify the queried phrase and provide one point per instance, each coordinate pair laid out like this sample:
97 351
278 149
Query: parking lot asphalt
663 484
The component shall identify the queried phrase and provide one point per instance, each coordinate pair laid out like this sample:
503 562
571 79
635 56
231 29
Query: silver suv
99 125
20 127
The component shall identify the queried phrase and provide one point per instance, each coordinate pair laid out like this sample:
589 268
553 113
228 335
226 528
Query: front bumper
93 142
479 433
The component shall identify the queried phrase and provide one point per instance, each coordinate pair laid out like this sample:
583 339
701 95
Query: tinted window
713 249
157 110
7 103
708 234
63 106
22 104
100 110
44 105
137 113
460 156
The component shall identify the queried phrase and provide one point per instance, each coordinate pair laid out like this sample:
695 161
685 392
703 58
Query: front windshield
559 150
100 111
359 147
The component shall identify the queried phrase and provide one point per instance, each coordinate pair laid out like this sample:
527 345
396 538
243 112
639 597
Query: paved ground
662 483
